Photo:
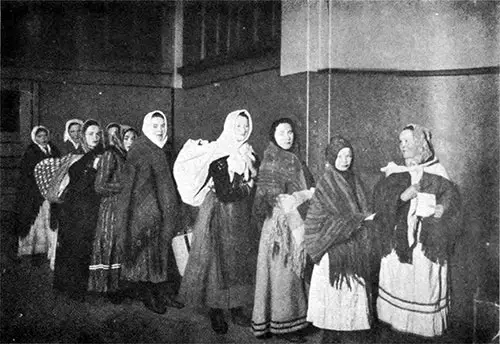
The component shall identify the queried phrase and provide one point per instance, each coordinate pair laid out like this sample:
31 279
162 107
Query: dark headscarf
83 141
337 143
272 131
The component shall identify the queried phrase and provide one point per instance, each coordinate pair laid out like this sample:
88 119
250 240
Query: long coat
29 198
147 214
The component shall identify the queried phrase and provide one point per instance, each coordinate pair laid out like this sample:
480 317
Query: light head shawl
147 128
67 137
191 167
422 137
34 131
83 141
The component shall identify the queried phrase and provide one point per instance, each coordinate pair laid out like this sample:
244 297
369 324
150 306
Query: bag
52 177
181 245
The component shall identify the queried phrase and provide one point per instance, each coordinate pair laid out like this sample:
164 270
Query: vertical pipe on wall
329 74
308 47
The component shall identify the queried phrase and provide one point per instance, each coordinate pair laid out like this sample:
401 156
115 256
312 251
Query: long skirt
221 266
413 297
280 303
104 268
337 309
41 237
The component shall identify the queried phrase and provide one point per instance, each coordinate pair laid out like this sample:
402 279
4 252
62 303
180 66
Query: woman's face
407 144
159 129
128 139
93 136
344 159
284 135
74 131
241 128
42 138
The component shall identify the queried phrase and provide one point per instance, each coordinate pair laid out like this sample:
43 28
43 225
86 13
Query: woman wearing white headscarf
221 268
32 218
147 214
72 132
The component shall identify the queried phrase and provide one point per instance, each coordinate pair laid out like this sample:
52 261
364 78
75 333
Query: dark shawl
334 226
281 172
147 213
29 199
438 235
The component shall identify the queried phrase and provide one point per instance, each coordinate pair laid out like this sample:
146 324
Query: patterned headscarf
83 141
147 128
422 137
67 137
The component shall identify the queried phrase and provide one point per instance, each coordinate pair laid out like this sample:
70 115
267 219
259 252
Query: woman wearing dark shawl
280 304
105 264
147 217
78 217
337 242
72 133
419 209
221 266
34 213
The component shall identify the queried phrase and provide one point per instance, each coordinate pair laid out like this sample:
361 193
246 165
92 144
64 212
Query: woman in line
105 263
147 218
221 265
338 244
129 135
72 133
78 217
33 213
419 208
280 205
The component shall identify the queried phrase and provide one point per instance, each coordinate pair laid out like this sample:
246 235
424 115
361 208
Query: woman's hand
286 202
438 212
410 193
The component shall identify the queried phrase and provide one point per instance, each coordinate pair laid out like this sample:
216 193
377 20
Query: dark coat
29 199
147 214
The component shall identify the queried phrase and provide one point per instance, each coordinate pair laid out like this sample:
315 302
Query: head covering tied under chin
35 131
67 136
114 139
83 141
241 159
124 128
147 128
422 137
272 131
337 143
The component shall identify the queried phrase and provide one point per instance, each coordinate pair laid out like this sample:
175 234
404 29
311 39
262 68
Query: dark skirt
220 272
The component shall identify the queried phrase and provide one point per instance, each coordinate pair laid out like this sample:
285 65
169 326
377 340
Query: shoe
238 317
293 337
153 303
170 302
219 324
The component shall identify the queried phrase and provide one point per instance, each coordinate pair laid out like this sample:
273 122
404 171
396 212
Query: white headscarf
191 167
45 149
67 136
147 128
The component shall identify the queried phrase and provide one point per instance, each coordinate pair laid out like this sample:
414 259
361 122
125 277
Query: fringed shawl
281 173
438 235
334 226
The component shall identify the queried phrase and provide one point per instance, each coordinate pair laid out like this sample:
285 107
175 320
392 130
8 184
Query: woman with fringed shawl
72 133
78 217
419 209
221 266
280 205
105 264
34 213
337 242
147 212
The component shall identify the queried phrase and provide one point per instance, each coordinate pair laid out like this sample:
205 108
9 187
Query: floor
32 312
